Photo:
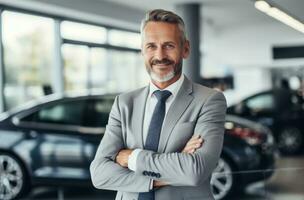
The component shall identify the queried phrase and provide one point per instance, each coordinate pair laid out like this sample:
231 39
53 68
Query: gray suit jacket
196 110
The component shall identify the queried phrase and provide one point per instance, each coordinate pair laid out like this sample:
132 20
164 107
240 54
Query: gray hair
160 15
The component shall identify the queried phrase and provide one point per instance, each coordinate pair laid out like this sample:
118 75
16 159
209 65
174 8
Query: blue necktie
154 131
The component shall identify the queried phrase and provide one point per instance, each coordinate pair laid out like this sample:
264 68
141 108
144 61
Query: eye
150 46
169 46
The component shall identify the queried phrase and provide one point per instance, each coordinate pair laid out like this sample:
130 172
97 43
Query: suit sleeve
105 173
183 169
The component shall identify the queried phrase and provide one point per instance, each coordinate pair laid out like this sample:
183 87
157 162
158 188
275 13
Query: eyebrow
149 43
153 43
170 42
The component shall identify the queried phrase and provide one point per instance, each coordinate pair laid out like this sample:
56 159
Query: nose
160 54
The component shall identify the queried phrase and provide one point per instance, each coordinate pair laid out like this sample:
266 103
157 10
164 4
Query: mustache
164 61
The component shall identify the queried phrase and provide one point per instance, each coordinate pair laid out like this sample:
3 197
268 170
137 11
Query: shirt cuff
151 184
132 160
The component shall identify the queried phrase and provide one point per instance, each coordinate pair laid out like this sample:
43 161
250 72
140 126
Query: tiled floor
287 183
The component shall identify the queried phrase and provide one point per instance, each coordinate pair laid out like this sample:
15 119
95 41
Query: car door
59 150
96 119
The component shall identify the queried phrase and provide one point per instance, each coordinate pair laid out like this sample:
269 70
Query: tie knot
162 95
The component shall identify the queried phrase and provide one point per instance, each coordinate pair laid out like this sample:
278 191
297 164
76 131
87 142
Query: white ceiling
222 13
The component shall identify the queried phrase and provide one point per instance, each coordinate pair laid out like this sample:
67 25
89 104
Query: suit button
158 175
145 173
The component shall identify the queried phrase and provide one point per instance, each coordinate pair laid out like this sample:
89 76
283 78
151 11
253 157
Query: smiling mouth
162 66
162 63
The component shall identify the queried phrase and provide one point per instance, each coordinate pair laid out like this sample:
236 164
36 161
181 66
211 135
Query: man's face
163 51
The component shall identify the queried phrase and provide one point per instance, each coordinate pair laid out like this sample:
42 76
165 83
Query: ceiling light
262 6
279 15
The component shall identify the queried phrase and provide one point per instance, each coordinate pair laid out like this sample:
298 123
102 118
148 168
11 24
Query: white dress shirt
150 105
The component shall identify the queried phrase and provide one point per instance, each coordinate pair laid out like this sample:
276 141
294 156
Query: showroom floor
286 184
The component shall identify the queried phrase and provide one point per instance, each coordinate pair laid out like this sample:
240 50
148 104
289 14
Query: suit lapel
138 115
179 105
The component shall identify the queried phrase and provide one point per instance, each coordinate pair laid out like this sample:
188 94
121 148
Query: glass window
99 112
261 102
69 113
126 71
124 38
83 32
28 53
75 59
100 70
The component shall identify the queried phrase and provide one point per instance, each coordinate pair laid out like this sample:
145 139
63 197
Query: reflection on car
52 141
281 111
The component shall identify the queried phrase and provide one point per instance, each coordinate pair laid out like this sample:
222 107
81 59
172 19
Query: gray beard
162 79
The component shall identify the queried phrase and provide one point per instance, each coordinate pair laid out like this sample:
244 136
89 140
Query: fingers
123 157
157 184
191 148
194 143
195 140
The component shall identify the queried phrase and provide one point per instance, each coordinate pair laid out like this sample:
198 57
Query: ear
186 49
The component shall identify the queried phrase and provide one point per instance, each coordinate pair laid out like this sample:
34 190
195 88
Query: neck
163 85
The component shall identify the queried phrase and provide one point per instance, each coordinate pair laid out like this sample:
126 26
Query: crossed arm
194 143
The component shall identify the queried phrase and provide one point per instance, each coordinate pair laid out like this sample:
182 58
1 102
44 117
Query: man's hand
123 156
194 143
157 184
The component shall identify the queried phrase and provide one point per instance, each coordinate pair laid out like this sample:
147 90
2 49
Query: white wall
246 52
248 45
247 82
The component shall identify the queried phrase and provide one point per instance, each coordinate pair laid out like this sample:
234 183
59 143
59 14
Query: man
152 148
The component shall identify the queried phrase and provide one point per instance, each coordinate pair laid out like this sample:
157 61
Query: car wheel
12 177
290 140
222 179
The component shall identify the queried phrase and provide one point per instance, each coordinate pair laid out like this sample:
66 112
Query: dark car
53 141
282 111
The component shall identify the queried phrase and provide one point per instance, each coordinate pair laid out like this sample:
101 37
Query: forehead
161 31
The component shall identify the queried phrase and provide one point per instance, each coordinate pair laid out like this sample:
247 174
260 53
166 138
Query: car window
69 113
261 103
98 114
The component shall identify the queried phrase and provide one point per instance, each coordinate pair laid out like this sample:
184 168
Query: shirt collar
173 88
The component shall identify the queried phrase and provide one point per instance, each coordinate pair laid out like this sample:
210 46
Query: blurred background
63 61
